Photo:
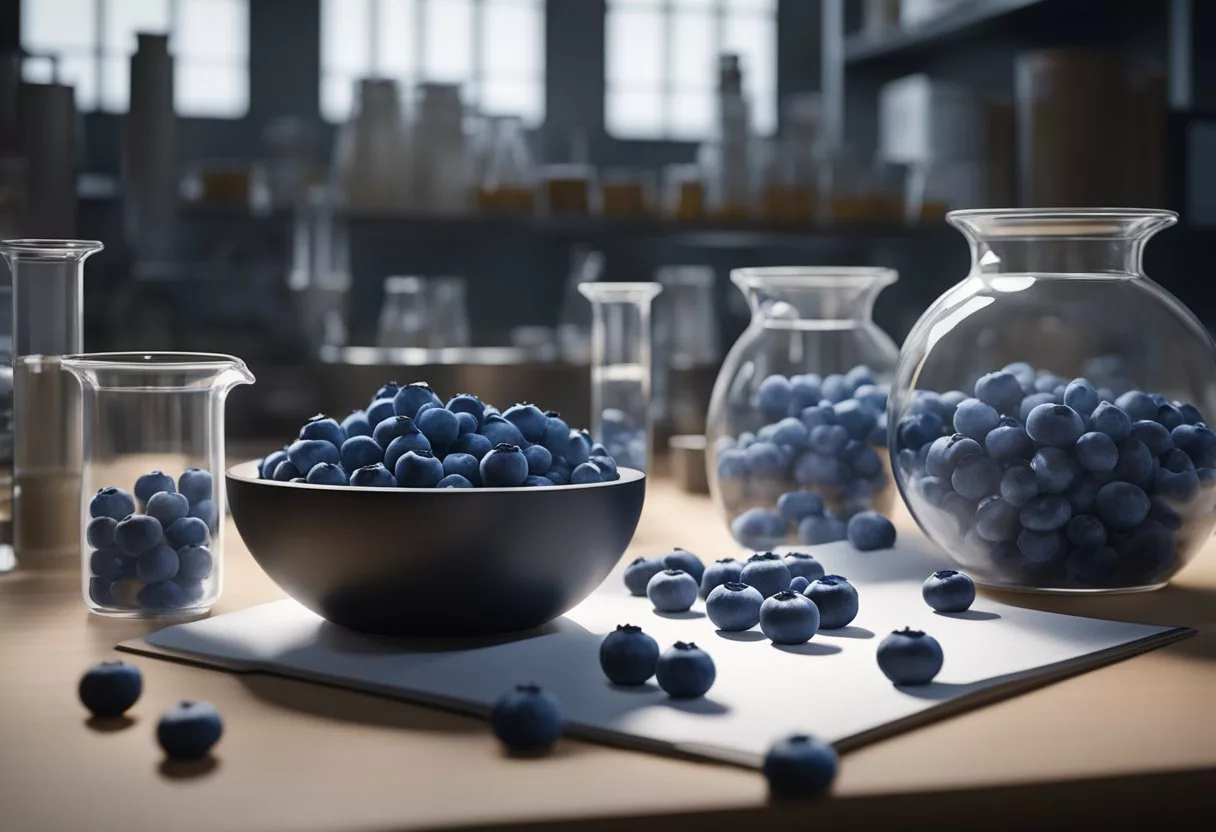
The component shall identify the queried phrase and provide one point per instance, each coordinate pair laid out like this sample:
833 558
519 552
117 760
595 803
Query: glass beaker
48 291
620 369
151 516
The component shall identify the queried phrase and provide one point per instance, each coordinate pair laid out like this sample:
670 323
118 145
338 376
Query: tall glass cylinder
48 302
620 369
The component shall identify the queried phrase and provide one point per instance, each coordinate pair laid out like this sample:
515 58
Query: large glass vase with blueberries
797 427
1048 416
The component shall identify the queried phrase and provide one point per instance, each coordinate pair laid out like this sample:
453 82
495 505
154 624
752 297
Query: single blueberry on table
160 563
161 595
373 476
306 453
628 656
137 533
918 430
539 459
1009 440
685 671
639 572
189 730
672 590
194 562
1086 532
910 657
799 767
457 481
1097 452
1041 548
473 444
420 469
734 606
1054 470
828 528
1081 396
803 565
403 445
1156 437
113 503
1136 464
324 428
357 424
946 452
379 410
467 403
106 563
759 527
151 483
325 473
465 465
108 689
1054 425
1031 402
195 484
1198 442
526 719
359 452
1122 506
869 530
285 472
1092 567
766 572
439 426
836 600
1046 513
977 477
586 474
265 467
100 532
1110 419
975 419
948 590
996 520
721 571
799 584
1137 405
413 396
789 618
188 531
686 561
1001 391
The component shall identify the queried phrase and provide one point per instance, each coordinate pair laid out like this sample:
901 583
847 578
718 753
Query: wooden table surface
1135 740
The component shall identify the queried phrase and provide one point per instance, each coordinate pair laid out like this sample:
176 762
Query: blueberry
402 445
326 474
410 398
106 563
152 483
285 471
189 730
858 376
767 572
686 561
816 469
539 459
732 464
1001 391
188 531
585 474
975 419
802 565
111 502
1054 425
265 467
672 590
1180 487
856 418
1122 506
685 671
323 428
457 481
1081 396
1054 470
379 410
996 520
467 423
161 595
1046 513
467 403
1023 372
557 477
976 477
639 572
1031 402
439 426
420 469
195 484
1154 436
137 533
1083 493
194 562
1189 413
1198 442
799 766
359 452
1086 531
1097 452
1111 420
799 584
108 689
828 528
100 532
1092 567
473 444
357 424
918 430
872 396
928 401
501 432
1136 464
815 416
789 618
1137 405
835 388
733 606
1169 416
393 427
1147 553
864 460
773 396
557 433
628 656
721 571
932 489
306 453
836 600
960 508
948 590
1041 548
386 391
464 465
1009 440
805 391
946 452
373 476
1176 461
1161 511
869 530
160 563
790 431
910 657
124 593
758 527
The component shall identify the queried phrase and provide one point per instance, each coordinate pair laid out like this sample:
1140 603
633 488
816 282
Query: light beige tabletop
1135 739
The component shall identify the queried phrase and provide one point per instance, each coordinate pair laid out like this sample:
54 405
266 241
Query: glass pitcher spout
162 371
806 297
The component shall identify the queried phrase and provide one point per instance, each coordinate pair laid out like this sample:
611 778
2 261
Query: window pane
115 89
633 114
512 39
210 90
692 113
124 18
80 71
345 29
754 40
52 25
634 45
509 97
614 5
705 5
693 61
214 30
762 7
397 39
449 40
337 97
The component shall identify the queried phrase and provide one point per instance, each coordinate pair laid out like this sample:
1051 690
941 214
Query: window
493 48
662 65
92 41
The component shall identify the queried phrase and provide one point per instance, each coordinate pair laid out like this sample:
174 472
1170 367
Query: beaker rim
609 290
1064 213
47 249
817 276
145 361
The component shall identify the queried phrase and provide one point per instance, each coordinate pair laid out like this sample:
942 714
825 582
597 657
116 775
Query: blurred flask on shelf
509 184
441 163
319 277
149 164
372 154
684 192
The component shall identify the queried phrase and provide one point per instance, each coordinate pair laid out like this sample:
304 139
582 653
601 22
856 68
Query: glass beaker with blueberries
1048 415
796 428
152 507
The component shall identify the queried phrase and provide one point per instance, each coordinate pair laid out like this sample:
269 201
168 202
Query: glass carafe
151 515
47 299
1047 416
796 427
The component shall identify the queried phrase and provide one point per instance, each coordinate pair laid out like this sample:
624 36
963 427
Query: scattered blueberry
869 530
789 618
948 590
189 730
910 657
108 689
685 671
836 600
721 571
814 531
734 606
639 572
628 656
672 590
799 766
766 572
526 719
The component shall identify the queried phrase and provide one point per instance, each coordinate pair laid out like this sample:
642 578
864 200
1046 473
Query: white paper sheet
830 687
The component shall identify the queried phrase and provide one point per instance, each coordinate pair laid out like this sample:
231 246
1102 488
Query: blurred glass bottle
687 348
509 186
319 278
372 154
732 198
574 317
149 163
441 164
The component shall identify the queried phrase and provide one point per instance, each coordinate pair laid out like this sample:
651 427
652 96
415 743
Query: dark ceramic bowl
436 562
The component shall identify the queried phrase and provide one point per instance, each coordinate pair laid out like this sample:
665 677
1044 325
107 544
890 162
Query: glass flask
620 369
154 422
47 301
1047 414
796 429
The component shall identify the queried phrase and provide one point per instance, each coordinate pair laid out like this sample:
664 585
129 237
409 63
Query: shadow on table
187 769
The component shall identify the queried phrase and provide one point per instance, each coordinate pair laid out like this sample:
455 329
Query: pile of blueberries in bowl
1041 482
408 438
816 458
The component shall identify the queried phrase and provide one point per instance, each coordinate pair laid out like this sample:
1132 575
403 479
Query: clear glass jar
812 358
1053 484
154 422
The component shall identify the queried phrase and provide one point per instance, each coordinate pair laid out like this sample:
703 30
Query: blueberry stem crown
423 453
799 739
422 385
727 560
735 586
945 573
831 580
637 560
802 555
628 628
529 687
553 414
674 572
507 447
684 645
785 595
764 556
909 632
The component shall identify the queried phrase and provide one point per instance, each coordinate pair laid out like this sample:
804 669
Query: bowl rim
247 472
